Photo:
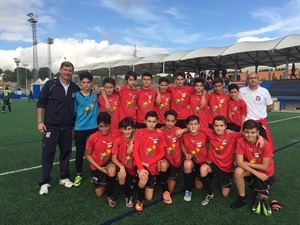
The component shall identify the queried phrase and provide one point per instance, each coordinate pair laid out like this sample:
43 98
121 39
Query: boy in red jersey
180 98
218 102
220 157
256 163
145 100
128 97
124 159
195 106
98 153
149 148
170 164
113 99
193 146
164 102
237 109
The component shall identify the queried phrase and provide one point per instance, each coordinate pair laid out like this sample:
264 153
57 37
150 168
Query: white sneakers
44 189
66 182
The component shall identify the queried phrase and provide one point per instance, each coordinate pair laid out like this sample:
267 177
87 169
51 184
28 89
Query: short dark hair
163 79
85 74
250 124
147 74
109 80
198 80
179 73
66 64
191 118
171 112
151 114
130 73
217 80
104 117
220 118
233 86
127 122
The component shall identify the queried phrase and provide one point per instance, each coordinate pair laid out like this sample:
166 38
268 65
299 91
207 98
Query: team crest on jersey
174 139
155 140
257 98
256 154
109 144
222 100
224 142
199 144
183 94
235 108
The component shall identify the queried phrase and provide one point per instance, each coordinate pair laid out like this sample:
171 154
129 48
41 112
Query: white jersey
257 102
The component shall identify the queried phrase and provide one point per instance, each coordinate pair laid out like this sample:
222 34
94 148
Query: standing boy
257 163
237 109
145 100
124 159
149 148
113 98
218 101
195 107
164 102
193 146
98 153
55 111
86 111
170 164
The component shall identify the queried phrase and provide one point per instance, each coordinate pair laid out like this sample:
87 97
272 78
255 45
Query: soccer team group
143 136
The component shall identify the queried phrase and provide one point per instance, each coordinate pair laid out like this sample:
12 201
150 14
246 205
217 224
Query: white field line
290 118
56 163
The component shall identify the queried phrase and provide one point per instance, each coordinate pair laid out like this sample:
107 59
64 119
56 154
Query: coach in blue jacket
55 111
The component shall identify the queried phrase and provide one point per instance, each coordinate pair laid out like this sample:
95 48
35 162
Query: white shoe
207 200
66 182
44 189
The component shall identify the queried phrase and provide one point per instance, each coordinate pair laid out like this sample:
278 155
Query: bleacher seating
280 88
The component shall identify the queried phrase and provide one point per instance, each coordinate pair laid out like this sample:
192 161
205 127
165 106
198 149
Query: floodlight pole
33 21
25 65
17 61
50 41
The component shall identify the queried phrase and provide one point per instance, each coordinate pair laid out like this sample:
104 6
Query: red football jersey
149 147
145 103
128 99
164 106
120 150
202 112
218 104
255 155
114 101
173 151
195 145
180 100
221 148
236 109
101 147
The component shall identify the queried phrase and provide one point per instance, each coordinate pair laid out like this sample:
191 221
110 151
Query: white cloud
80 53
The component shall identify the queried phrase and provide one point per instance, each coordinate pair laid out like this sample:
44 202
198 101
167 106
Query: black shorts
151 181
140 125
181 124
224 178
98 178
173 171
234 127
261 186
196 171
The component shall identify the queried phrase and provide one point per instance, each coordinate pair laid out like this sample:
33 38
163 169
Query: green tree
44 73
1 71
8 74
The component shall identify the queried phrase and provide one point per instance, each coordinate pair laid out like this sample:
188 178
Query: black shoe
240 203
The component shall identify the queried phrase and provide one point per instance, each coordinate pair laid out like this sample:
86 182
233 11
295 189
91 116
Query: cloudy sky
86 32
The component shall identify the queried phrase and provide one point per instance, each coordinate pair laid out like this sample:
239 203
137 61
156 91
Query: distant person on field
30 96
86 112
6 98
255 163
259 103
55 111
